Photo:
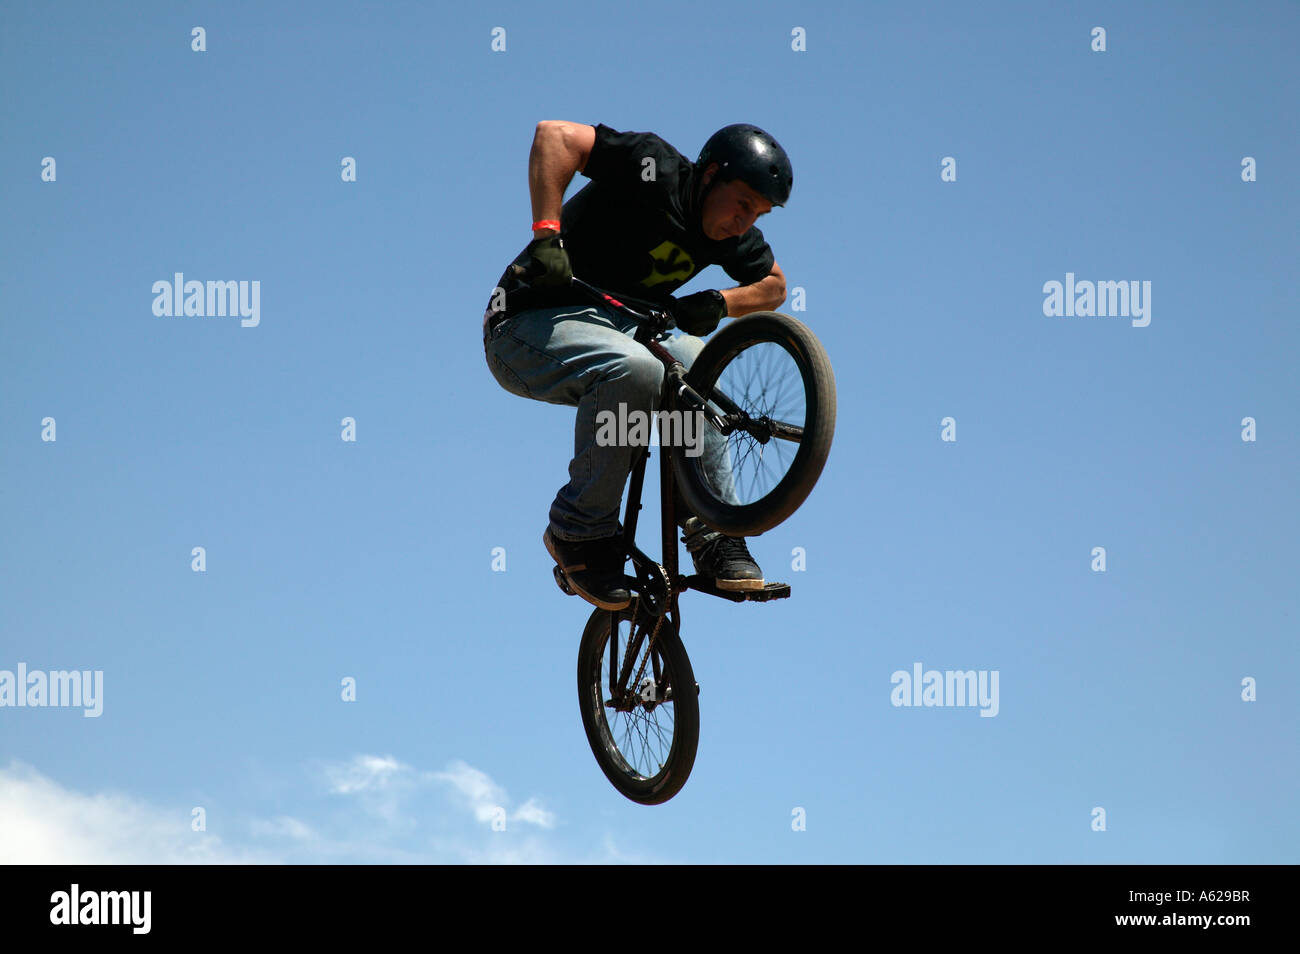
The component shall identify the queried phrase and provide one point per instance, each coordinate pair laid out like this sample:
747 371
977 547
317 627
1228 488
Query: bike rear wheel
770 378
645 737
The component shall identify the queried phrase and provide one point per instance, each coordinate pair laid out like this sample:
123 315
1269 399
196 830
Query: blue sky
373 560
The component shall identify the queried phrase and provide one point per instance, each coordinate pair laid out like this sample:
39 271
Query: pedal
562 581
770 591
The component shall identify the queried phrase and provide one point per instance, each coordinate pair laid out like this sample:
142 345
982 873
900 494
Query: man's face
730 209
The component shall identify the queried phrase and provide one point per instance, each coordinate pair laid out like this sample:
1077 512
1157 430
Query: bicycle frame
622 682
652 322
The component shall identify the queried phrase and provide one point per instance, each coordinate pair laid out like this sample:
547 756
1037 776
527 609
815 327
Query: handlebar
654 321
650 313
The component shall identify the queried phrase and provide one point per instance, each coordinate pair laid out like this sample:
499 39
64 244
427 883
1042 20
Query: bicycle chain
659 621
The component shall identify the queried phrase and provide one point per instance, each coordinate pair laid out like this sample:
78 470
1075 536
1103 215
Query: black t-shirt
635 227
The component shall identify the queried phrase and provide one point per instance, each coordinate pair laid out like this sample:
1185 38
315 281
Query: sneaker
594 568
723 559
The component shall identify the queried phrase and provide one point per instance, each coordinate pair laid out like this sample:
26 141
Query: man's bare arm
560 151
764 295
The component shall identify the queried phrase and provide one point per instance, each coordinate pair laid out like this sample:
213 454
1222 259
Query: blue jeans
585 356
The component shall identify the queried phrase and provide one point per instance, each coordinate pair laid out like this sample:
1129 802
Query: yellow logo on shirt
671 264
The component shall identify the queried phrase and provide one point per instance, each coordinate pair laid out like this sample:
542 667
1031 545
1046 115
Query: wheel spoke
765 382
642 735
645 744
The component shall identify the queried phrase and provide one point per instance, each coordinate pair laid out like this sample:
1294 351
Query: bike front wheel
640 704
768 381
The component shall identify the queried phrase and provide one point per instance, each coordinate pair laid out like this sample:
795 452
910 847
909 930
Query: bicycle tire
628 770
817 383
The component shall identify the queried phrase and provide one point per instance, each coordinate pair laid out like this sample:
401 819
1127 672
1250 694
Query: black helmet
747 153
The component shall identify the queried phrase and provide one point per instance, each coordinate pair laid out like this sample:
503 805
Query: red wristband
547 224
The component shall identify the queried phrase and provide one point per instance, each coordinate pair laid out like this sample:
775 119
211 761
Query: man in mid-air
648 221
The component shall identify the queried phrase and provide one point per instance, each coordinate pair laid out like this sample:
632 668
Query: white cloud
407 817
474 789
534 814
364 773
486 799
41 822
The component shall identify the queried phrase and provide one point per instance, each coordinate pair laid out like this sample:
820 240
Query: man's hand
700 313
546 263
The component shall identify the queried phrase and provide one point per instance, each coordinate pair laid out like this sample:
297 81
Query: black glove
700 313
544 263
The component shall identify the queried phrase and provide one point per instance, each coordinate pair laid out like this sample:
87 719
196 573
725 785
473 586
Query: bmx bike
764 383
